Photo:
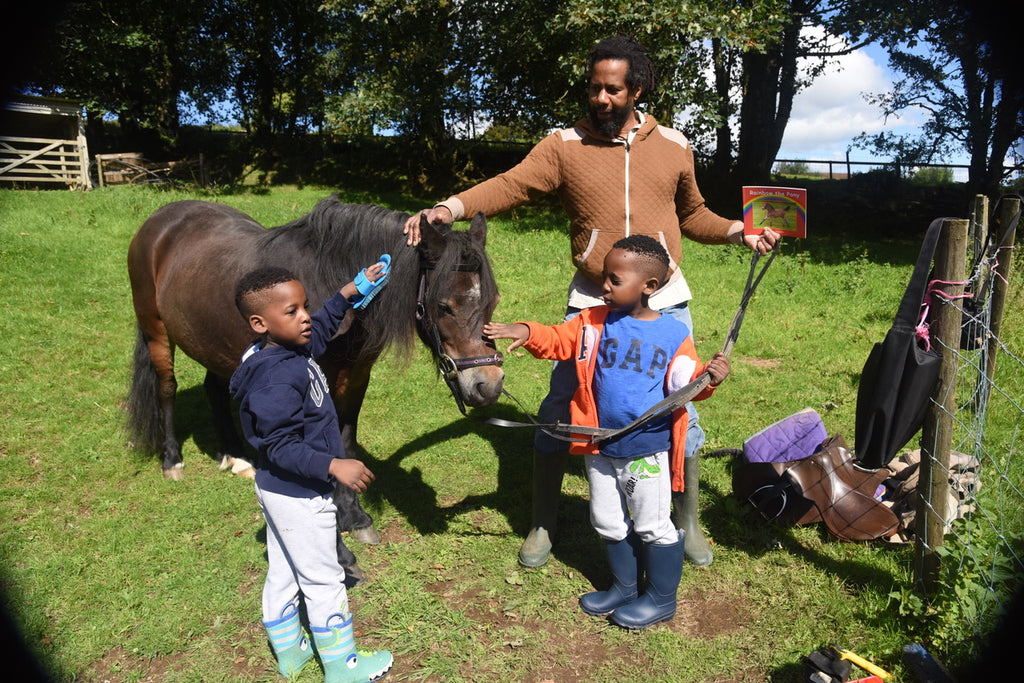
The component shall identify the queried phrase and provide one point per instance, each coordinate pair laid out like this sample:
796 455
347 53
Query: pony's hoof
366 535
239 466
243 469
176 473
354 575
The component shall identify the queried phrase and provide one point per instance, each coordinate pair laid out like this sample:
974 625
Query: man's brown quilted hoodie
610 189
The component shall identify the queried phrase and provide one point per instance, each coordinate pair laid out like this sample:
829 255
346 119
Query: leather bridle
447 366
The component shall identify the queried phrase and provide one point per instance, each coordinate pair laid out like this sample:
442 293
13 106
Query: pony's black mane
335 241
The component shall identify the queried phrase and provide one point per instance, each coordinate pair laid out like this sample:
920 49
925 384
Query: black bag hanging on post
900 373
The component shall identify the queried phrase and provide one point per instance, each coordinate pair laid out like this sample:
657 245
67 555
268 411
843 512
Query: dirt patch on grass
767 363
706 615
580 652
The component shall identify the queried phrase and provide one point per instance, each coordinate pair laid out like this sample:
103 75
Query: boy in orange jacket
628 358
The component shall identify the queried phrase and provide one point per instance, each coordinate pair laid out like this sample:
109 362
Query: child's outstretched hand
352 473
718 367
518 332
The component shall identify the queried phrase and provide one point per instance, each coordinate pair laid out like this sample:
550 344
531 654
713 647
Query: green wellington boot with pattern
342 662
291 646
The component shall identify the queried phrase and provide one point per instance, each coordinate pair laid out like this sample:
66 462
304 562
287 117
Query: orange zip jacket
577 340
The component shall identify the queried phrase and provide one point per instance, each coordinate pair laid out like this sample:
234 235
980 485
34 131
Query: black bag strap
1011 225
910 307
992 245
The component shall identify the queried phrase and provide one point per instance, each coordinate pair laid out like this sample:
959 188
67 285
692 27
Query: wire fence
969 545
839 169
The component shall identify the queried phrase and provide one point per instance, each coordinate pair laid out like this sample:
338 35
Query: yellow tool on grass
862 663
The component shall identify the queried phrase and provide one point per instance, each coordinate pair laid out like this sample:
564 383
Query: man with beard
617 173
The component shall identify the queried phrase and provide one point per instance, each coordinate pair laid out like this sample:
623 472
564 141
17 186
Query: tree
959 67
547 59
272 62
434 68
132 60
813 33
285 64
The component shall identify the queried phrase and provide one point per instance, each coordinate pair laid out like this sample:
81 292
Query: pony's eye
444 308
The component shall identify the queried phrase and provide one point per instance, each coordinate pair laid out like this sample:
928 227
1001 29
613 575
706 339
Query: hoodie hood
256 362
647 126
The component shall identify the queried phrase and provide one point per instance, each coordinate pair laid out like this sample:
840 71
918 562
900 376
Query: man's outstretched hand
438 215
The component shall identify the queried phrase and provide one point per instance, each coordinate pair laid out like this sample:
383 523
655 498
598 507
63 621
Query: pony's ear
478 229
433 236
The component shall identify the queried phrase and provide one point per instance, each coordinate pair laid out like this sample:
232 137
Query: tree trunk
722 58
769 86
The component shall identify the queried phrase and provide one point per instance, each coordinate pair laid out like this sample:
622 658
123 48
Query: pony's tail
143 424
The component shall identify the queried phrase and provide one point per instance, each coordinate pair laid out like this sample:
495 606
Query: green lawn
114 574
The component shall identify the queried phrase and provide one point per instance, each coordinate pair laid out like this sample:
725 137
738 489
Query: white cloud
832 111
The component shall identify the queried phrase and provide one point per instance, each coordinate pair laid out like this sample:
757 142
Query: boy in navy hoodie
288 416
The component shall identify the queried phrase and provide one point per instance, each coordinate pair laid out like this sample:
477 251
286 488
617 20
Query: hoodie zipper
627 142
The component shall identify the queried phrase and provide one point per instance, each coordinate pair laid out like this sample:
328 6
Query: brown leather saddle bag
827 486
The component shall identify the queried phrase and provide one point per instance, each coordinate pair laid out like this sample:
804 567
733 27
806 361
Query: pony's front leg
232 452
351 515
354 574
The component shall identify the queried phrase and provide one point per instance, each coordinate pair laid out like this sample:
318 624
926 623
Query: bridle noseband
447 366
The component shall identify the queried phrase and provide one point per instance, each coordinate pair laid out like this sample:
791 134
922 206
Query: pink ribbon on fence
923 330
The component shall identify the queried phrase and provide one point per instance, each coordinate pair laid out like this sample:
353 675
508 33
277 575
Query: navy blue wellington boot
622 556
658 603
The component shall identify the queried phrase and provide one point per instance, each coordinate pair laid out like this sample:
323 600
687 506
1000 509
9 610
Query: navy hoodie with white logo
286 410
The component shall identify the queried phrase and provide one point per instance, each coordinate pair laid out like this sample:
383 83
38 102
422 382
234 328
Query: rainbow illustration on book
783 209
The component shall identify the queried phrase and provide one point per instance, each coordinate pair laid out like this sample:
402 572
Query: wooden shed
42 142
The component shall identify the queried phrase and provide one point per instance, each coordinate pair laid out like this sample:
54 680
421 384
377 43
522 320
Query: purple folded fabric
791 438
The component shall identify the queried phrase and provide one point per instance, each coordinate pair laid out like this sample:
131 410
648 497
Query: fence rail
838 169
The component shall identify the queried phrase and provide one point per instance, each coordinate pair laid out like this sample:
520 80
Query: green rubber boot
685 514
342 662
291 647
548 471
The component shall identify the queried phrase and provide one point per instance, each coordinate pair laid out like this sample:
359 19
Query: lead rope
678 398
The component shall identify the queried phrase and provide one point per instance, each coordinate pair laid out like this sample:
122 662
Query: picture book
783 209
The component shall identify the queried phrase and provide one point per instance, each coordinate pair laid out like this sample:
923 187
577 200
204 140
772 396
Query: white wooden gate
42 140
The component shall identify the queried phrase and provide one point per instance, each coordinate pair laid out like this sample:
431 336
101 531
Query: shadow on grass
576 544
735 524
417 501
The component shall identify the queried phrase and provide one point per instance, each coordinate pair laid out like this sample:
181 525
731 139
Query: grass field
114 574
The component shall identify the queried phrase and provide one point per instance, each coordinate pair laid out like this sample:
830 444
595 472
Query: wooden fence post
936 434
1004 266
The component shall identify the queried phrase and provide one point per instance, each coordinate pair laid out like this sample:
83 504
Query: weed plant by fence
969 541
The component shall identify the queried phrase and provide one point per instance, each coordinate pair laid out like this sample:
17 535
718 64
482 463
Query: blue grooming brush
369 289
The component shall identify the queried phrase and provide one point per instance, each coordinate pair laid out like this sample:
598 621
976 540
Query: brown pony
186 259
771 212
